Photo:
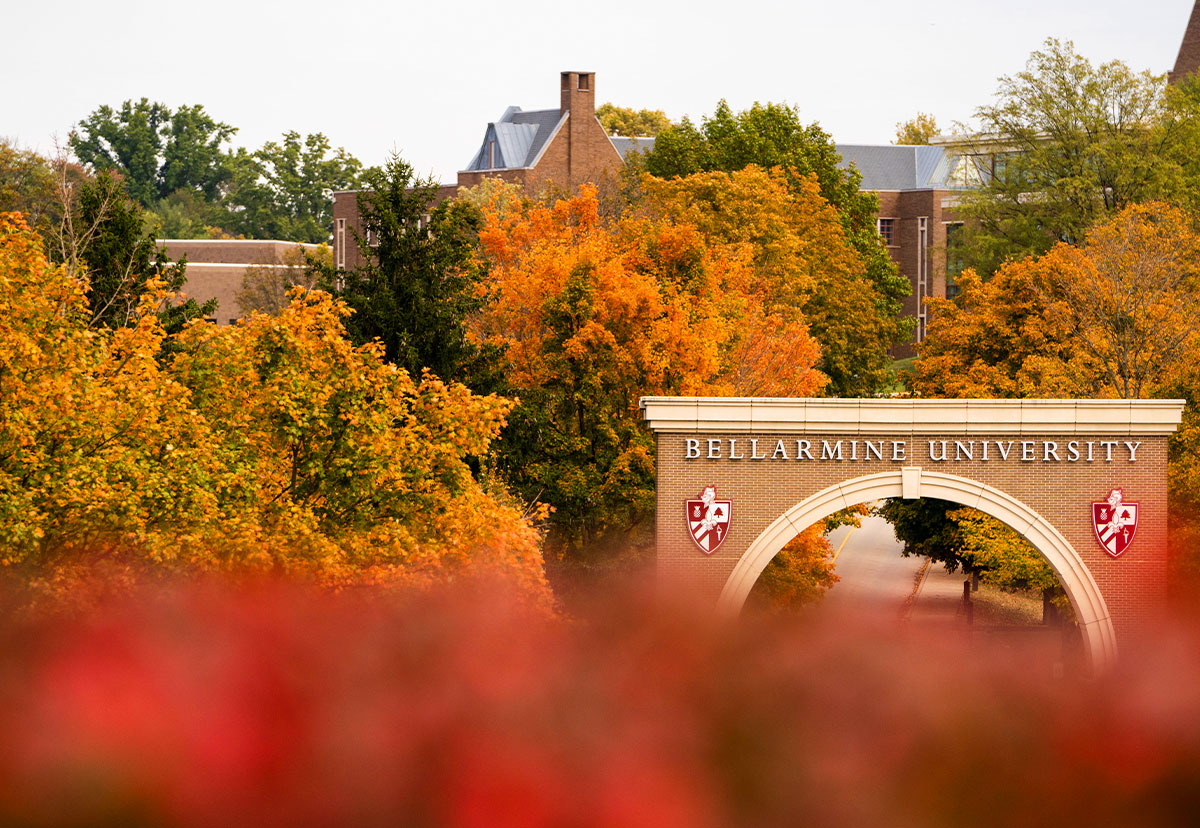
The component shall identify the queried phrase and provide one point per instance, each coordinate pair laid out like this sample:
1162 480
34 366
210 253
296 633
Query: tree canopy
156 150
1067 144
594 313
101 241
917 130
804 268
274 444
631 123
1113 317
284 190
180 166
770 136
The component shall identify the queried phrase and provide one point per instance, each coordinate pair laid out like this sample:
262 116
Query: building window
584 81
954 257
491 164
887 230
339 243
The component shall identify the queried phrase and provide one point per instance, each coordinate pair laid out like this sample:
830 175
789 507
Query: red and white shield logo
1115 521
708 520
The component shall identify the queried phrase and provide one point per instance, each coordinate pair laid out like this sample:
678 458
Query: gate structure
1085 481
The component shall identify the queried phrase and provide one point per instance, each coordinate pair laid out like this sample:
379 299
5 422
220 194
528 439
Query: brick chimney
579 98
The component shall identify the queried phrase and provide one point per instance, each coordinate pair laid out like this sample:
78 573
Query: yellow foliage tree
806 281
270 445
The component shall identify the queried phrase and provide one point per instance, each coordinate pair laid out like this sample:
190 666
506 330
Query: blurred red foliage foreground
272 705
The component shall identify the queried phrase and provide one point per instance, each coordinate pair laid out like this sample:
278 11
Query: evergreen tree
104 243
416 286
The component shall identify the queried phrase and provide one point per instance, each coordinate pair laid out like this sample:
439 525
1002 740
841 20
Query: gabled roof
889 167
519 139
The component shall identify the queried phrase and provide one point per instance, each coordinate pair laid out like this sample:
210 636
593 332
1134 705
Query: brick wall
216 268
918 257
1133 585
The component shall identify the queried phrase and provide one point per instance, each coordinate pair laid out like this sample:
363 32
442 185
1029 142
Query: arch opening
1091 611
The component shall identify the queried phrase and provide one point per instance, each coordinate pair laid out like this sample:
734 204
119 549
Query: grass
994 606
895 384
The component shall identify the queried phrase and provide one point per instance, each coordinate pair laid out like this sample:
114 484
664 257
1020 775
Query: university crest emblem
708 520
1115 521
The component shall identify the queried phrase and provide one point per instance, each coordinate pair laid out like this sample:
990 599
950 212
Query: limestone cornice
910 416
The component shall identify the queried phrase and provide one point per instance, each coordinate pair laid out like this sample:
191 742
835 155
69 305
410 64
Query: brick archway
1037 465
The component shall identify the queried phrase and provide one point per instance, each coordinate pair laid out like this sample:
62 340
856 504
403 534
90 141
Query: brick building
216 267
565 147
916 187
543 149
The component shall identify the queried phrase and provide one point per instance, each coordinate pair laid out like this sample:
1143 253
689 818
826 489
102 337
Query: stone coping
910 416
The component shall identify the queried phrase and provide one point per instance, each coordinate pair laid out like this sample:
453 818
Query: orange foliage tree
595 314
270 445
704 287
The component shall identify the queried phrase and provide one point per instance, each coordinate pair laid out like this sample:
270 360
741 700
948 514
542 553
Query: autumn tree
804 270
631 123
917 130
773 135
595 313
799 574
1116 316
33 185
272 445
101 241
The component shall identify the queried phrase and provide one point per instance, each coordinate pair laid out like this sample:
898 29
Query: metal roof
520 137
627 145
889 167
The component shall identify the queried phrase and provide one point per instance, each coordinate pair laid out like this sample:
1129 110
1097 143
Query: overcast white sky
425 78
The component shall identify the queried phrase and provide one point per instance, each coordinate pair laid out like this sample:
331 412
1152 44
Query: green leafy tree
285 189
632 123
772 135
192 155
1067 144
917 130
926 529
184 214
417 285
155 150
